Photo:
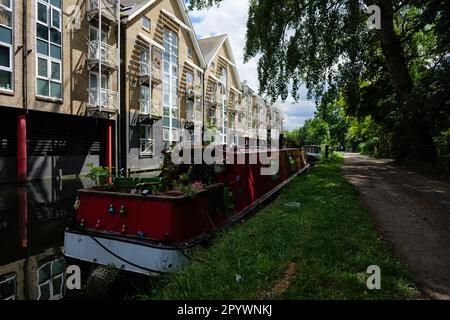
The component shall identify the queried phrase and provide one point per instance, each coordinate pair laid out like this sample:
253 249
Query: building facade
114 83
55 119
162 100
222 90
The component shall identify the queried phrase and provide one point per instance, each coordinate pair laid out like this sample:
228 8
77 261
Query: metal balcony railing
100 51
103 100
109 9
147 148
193 114
151 108
146 70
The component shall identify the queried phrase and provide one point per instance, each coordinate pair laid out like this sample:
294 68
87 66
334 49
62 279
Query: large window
49 48
170 88
51 280
6 44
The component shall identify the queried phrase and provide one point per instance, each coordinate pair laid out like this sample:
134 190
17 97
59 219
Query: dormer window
146 23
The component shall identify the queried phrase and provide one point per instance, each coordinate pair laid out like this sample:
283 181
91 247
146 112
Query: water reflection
32 223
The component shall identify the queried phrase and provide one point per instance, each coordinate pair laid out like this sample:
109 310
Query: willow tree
326 45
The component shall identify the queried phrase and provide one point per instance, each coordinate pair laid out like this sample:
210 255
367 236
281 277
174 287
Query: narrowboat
134 226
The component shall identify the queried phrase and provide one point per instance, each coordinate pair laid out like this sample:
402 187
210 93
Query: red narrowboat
153 233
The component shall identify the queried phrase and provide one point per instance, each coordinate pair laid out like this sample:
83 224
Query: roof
210 48
132 8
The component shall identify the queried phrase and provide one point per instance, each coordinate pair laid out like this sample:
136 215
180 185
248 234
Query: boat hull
171 226
134 256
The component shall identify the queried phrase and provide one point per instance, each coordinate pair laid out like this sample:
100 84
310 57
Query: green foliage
98 174
398 75
443 145
331 260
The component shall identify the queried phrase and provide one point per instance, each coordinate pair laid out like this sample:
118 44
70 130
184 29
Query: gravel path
412 213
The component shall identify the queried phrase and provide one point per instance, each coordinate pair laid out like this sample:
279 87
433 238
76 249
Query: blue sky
231 18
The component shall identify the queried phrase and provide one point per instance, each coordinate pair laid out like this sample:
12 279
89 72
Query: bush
442 142
370 147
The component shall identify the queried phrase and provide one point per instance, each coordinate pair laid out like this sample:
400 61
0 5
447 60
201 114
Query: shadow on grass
331 238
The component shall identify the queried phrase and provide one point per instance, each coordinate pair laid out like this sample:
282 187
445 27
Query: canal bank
314 241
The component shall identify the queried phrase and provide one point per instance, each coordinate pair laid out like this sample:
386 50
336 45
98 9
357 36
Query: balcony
105 101
194 115
108 9
147 148
103 53
150 110
147 71
193 93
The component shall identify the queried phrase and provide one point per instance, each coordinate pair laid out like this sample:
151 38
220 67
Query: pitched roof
132 8
210 48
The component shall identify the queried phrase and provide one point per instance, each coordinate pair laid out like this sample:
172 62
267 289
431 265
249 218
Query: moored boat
138 229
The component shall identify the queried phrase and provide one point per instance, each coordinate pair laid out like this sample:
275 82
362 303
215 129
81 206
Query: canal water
33 218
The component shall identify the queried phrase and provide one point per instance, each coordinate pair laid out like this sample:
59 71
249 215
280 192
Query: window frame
52 295
10 46
50 60
145 18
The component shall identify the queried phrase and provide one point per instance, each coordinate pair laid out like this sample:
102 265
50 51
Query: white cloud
231 18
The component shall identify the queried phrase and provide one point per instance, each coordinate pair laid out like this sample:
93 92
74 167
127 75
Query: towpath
412 213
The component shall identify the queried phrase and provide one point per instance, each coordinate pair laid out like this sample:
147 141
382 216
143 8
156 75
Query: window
145 62
8 283
170 87
224 76
102 99
213 65
146 23
51 280
147 145
189 52
189 80
49 49
6 45
145 100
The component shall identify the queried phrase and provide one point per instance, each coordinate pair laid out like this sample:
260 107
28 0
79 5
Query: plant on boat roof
169 171
98 174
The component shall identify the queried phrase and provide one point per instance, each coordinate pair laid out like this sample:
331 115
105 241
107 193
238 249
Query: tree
326 45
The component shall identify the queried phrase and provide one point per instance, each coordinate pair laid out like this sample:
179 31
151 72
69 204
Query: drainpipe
204 107
25 56
119 92
22 115
109 156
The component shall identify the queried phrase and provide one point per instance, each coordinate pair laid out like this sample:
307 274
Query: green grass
331 238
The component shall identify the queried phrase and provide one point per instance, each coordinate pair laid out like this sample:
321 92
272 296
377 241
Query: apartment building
162 100
113 83
223 94
56 116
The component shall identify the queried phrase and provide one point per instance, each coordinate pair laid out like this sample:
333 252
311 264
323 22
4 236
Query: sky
231 18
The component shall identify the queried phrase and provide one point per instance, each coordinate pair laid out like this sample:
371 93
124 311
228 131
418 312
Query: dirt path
412 213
